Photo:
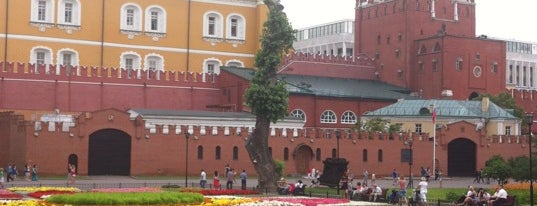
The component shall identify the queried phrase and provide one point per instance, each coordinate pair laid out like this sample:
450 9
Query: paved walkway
126 181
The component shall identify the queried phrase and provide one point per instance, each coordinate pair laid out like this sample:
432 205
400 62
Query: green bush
137 198
279 167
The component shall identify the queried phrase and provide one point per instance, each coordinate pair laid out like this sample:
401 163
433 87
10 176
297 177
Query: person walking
230 179
35 176
2 176
27 172
243 177
203 178
366 174
216 180
423 191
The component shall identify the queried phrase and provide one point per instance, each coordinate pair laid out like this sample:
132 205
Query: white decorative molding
42 26
69 28
131 33
155 35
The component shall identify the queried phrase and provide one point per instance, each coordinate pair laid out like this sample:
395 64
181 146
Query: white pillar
433 12
456 12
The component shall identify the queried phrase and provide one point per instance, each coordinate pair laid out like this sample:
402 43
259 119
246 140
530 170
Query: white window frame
76 12
47 58
241 27
218 25
206 64
74 57
136 63
161 19
137 21
329 116
49 12
298 113
159 64
348 117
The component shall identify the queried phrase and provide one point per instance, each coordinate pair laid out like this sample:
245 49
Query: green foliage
520 167
505 101
379 125
267 96
279 167
136 198
497 168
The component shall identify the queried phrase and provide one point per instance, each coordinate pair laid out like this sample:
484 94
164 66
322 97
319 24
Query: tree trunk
257 147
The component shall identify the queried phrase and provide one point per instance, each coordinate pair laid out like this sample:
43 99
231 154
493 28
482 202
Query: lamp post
529 121
338 135
410 181
187 136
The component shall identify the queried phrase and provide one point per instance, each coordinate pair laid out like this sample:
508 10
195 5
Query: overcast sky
512 19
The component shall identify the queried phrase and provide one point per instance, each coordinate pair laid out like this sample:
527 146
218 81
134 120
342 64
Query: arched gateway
109 153
303 154
461 157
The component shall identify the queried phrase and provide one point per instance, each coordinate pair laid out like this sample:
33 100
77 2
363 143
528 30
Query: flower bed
45 194
114 190
9 195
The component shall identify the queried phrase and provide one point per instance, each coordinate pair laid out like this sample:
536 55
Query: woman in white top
423 190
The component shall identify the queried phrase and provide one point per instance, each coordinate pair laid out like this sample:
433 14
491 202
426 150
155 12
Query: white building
334 38
521 60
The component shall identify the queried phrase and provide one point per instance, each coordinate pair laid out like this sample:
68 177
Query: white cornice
127 46
244 3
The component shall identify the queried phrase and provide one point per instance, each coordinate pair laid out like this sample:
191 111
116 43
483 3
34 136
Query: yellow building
161 35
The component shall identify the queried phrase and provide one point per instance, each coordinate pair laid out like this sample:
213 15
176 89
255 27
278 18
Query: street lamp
410 181
338 135
187 136
529 121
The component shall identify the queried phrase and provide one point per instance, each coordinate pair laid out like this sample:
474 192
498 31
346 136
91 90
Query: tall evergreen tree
266 96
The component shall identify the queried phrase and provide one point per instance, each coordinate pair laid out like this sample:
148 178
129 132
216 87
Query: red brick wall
164 154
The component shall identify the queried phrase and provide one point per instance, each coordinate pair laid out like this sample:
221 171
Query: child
2 178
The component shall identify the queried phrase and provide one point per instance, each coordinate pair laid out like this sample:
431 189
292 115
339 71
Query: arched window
328 117
364 155
212 25
41 56
42 11
211 67
155 19
235 153
286 154
234 63
153 65
67 57
217 152
200 152
298 113
236 27
318 154
69 12
334 153
131 62
348 117
131 17
270 151
380 155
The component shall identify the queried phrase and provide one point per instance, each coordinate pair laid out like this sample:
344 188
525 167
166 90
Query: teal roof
333 87
444 109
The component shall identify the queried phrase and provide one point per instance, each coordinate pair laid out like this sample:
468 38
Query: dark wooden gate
461 157
109 153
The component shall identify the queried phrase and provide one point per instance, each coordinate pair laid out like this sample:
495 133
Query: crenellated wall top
98 74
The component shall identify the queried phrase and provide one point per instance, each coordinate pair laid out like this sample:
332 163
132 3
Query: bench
365 196
511 200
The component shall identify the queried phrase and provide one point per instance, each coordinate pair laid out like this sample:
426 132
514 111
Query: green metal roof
333 87
444 109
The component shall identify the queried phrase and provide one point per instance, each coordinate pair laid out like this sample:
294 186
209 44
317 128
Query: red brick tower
429 46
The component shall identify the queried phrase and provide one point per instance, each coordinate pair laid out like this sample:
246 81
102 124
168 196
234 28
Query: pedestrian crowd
229 175
11 173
